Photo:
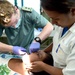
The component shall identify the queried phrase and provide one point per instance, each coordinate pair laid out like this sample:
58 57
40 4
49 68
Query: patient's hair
48 60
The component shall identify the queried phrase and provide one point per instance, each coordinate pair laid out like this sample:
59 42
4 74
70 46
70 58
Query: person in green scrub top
19 24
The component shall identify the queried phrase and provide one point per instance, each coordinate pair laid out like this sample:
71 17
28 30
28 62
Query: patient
20 66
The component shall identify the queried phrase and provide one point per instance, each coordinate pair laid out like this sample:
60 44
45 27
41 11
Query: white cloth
64 50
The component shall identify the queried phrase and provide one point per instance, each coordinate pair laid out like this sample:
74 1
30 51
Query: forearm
49 48
46 31
51 69
5 47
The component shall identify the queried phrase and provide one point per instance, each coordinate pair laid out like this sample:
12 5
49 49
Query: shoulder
27 9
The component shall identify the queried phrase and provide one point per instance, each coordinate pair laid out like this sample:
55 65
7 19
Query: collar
72 28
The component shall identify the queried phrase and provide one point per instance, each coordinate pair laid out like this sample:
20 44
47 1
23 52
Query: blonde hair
6 11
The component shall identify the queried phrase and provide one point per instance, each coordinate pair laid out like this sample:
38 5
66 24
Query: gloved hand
19 50
34 47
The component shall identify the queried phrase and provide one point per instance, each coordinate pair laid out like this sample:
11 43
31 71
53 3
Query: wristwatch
37 39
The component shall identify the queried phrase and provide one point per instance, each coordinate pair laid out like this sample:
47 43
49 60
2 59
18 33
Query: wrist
42 65
37 39
11 49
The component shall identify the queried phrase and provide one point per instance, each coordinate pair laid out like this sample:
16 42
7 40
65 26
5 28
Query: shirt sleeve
37 19
70 64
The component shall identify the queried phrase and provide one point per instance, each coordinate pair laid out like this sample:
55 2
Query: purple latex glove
34 47
19 50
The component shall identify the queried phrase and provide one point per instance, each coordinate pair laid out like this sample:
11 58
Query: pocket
63 52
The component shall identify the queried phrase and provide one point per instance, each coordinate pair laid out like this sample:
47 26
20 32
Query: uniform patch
27 9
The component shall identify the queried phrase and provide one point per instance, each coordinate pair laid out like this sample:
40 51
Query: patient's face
37 56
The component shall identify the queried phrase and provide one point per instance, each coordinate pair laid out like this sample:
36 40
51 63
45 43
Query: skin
14 18
13 21
63 20
6 48
38 56
17 65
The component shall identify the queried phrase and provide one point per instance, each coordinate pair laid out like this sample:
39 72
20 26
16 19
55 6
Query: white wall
11 1
35 4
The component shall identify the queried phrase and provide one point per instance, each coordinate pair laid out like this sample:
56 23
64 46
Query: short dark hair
48 60
61 6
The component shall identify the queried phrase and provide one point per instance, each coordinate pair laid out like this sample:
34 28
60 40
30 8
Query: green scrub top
23 35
